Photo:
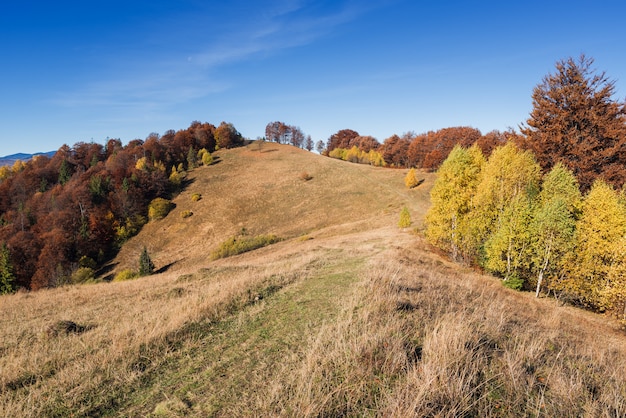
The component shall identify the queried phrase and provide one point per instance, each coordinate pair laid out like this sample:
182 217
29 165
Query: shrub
129 229
83 275
514 283
159 208
176 178
195 197
405 218
241 244
186 214
124 275
87 262
305 176
207 158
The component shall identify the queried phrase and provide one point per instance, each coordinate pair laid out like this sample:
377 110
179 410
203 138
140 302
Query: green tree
64 172
451 201
7 276
554 223
595 270
146 266
192 159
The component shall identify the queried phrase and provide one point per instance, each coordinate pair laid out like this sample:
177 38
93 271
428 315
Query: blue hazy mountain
11 159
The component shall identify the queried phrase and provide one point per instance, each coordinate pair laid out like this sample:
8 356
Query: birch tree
451 198
555 222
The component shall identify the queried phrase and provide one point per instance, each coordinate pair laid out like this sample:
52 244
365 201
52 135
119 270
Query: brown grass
260 189
422 338
346 317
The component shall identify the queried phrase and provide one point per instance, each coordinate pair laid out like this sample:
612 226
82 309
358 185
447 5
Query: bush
83 275
305 176
129 229
124 275
242 244
186 214
159 208
195 197
514 283
87 262
207 158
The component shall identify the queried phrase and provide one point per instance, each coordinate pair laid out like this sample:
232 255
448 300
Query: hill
11 159
260 189
348 315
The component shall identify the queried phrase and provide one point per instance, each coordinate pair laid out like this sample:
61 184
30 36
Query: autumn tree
575 121
554 223
447 220
308 143
595 271
411 180
405 218
296 136
341 139
503 208
394 151
226 136
319 146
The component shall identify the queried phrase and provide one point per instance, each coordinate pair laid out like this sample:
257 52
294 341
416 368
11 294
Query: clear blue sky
87 70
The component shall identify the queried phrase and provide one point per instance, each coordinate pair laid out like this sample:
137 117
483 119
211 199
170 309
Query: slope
347 316
260 188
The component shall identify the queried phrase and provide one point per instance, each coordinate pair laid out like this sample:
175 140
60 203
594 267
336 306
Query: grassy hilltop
346 316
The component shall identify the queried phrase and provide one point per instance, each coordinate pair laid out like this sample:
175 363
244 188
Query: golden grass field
347 316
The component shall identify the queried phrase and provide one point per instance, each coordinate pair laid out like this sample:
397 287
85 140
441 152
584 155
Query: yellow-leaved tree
554 224
411 180
504 205
595 271
451 201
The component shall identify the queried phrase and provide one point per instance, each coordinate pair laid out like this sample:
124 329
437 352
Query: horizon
118 70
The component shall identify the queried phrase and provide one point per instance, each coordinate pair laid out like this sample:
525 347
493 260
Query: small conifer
146 266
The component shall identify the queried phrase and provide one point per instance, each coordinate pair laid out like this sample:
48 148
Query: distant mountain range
11 159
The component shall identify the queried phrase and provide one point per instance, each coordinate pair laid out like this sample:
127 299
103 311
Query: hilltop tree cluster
282 133
426 151
75 209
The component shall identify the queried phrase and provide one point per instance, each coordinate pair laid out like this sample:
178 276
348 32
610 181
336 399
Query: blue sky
87 70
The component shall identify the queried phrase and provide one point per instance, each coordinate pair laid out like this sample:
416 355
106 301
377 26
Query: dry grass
128 329
260 189
346 317
423 339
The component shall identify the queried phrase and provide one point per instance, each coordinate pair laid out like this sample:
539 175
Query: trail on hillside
237 365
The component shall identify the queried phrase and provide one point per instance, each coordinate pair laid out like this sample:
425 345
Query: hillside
347 316
259 188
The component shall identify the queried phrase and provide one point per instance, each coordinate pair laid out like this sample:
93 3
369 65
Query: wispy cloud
165 77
